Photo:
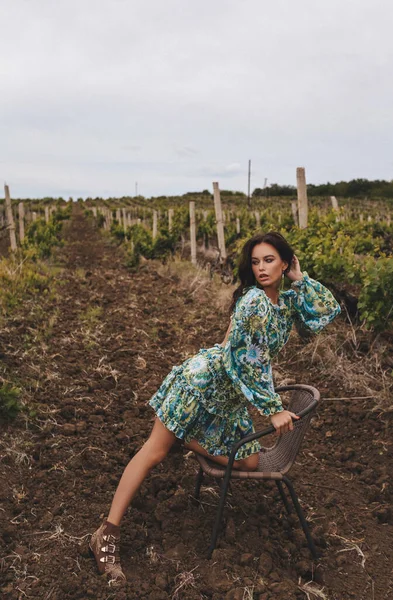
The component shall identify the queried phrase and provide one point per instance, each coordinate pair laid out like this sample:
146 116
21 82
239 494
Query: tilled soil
88 356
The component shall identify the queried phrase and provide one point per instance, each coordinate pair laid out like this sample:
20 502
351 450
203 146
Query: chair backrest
282 455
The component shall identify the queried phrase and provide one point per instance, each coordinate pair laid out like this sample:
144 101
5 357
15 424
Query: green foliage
9 401
117 231
376 294
206 228
42 237
100 220
62 214
164 245
356 188
141 245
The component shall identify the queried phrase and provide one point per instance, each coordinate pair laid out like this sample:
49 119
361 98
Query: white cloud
97 95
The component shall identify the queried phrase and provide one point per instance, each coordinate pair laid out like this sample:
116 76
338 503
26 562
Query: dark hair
246 275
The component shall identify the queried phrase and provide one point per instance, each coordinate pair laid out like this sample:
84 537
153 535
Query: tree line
355 188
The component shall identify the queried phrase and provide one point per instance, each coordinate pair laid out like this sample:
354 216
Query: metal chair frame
228 473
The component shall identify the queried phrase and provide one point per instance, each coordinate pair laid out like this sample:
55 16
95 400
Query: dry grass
197 281
312 591
183 581
352 545
336 356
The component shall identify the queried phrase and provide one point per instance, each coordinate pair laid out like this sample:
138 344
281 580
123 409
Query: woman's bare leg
245 464
151 454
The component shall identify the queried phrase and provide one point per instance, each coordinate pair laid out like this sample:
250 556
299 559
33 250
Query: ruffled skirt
198 401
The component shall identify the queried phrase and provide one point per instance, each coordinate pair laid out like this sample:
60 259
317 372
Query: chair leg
302 518
224 485
198 483
283 497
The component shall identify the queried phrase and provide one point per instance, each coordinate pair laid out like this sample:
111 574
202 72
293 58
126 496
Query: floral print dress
205 399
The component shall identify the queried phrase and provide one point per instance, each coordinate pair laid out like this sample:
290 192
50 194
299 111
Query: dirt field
88 357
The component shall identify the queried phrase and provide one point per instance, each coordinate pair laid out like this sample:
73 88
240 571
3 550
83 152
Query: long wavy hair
246 275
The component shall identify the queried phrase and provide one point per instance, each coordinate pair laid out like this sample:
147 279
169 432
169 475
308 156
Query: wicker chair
274 462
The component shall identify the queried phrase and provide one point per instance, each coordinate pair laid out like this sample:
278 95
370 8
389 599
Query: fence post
21 221
334 202
237 225
155 219
302 197
10 218
193 233
46 214
220 225
170 219
257 215
295 212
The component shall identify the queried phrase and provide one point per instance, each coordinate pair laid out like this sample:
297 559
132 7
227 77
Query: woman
204 401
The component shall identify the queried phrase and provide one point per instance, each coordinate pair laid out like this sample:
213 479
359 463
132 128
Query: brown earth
88 356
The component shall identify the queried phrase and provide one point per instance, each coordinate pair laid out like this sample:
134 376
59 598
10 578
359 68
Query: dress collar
280 304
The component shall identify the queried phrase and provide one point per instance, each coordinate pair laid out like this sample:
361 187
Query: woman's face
267 265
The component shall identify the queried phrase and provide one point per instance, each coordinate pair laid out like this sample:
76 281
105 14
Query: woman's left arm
314 305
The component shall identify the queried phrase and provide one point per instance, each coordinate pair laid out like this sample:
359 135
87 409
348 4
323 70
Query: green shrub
43 237
376 294
9 401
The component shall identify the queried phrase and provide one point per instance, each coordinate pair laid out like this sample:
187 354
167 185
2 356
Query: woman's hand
294 272
282 421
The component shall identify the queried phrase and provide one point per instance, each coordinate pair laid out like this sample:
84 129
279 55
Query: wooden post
155 219
21 221
94 209
193 233
170 218
237 225
205 213
220 224
10 218
294 212
124 219
302 197
334 202
118 216
34 215
361 217
46 214
257 215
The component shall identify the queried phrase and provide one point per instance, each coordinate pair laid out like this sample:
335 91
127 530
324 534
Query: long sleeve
313 304
247 355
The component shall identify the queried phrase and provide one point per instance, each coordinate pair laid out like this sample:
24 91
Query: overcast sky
96 95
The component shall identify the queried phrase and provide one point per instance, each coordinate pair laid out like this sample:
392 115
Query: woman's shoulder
253 298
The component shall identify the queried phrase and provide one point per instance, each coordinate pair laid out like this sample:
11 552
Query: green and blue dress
205 399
